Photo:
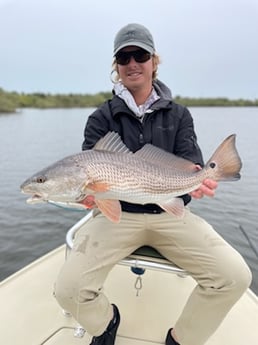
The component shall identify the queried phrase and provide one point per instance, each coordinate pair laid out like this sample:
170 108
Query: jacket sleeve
96 127
186 145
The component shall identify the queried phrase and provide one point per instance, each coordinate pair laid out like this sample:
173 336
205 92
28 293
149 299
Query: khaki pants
221 273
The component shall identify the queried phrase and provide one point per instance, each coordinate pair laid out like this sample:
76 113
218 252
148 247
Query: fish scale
136 177
110 172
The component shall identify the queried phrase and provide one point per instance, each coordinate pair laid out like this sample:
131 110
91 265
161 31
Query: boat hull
30 314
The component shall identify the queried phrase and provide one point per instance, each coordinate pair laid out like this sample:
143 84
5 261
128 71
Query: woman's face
135 75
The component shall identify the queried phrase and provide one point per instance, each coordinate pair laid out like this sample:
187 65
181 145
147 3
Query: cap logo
131 34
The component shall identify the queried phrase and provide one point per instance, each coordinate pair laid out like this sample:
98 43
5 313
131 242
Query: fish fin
111 142
225 163
174 207
96 187
110 208
163 158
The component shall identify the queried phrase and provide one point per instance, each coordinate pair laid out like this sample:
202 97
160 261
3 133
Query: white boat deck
30 314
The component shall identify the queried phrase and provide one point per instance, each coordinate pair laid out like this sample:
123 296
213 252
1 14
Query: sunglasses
139 55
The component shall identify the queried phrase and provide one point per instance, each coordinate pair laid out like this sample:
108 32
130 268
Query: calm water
32 139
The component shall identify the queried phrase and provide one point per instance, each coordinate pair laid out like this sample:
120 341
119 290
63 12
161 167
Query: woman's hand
207 188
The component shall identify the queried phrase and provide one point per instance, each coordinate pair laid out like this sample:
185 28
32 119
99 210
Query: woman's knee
65 290
74 285
237 276
243 277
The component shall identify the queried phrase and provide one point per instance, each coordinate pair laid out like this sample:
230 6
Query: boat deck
30 314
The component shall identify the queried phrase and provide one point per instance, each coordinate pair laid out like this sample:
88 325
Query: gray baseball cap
134 35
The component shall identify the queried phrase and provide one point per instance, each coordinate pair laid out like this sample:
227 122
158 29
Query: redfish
111 172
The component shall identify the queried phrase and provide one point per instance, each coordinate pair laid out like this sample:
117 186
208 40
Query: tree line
11 101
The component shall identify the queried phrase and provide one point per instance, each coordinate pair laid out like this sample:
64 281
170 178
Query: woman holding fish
142 112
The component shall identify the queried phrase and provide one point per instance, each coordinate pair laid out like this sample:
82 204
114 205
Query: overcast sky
209 48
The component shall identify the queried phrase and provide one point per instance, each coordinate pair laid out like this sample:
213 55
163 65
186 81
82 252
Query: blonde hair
115 78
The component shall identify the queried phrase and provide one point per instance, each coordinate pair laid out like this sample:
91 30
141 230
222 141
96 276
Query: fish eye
41 179
212 165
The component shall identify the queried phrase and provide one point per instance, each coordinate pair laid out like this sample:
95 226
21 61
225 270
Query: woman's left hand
207 188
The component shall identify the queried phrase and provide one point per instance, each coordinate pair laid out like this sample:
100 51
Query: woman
142 111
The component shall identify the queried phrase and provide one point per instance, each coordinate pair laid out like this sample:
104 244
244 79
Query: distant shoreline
11 101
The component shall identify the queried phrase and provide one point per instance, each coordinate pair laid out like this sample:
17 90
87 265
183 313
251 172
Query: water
32 139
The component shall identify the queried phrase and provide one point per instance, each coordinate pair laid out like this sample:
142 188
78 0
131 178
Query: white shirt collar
122 92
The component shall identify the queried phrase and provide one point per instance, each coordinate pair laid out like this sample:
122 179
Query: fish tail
225 163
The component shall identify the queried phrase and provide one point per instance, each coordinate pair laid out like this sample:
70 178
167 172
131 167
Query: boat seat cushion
149 252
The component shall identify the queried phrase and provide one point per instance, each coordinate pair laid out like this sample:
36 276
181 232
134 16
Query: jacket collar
164 101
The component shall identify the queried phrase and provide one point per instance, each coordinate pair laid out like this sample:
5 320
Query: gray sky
209 48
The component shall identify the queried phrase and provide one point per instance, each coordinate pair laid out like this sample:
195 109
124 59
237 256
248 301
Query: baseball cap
134 35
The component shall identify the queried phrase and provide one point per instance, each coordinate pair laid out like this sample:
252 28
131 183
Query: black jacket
167 125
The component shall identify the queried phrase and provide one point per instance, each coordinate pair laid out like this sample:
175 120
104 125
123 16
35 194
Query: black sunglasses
139 55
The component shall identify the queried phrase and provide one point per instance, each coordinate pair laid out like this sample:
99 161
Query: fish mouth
36 198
